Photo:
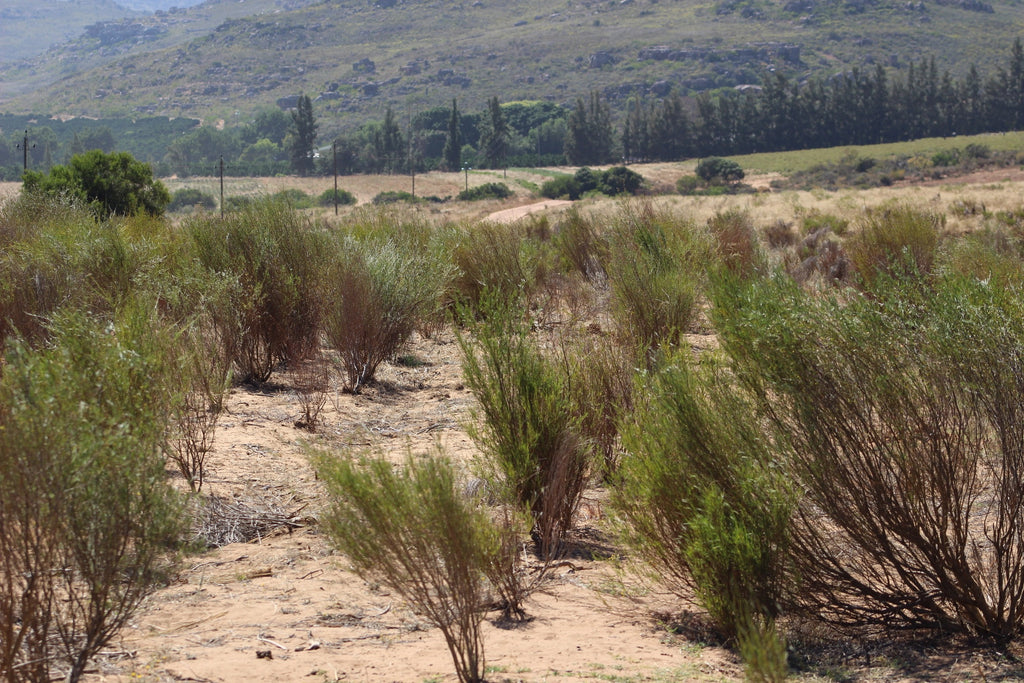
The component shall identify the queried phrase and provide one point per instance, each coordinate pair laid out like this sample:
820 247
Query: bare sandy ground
291 595
515 213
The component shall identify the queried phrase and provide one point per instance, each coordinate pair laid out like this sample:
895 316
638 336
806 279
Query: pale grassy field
994 191
997 190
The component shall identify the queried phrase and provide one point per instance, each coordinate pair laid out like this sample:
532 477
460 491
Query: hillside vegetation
212 63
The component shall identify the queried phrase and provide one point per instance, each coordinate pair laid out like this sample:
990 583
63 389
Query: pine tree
495 140
588 133
453 146
392 145
303 136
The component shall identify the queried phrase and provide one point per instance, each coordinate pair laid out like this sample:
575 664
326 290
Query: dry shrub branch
413 529
86 515
904 412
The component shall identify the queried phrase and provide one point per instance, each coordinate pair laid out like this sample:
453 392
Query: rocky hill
29 27
222 60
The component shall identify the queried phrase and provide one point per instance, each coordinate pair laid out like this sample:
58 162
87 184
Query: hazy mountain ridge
212 61
28 27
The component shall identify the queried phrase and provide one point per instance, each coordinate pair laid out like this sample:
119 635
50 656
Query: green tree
495 141
109 183
392 144
302 136
92 138
453 147
588 135
271 123
636 133
261 157
716 170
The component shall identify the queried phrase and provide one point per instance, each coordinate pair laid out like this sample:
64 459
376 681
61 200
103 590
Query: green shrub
702 497
736 242
603 393
579 242
986 255
716 171
620 180
345 198
894 242
189 198
815 221
527 431
376 293
485 191
391 197
87 518
272 260
204 376
977 151
688 184
904 414
586 179
110 184
655 269
947 157
412 530
72 261
497 258
563 186
293 198
238 202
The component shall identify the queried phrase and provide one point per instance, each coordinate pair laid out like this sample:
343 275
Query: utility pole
412 164
334 151
222 186
24 148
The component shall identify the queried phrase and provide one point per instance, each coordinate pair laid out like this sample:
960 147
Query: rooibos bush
904 414
702 497
533 451
894 242
376 294
86 515
275 257
655 268
413 530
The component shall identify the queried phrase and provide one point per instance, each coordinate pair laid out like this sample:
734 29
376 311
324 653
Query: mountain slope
28 27
357 59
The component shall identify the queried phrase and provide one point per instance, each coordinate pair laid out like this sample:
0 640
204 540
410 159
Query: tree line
858 107
854 108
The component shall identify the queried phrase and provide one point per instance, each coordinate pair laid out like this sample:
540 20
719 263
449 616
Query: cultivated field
281 604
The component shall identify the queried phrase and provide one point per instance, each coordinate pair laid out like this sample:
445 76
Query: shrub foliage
413 530
903 413
86 514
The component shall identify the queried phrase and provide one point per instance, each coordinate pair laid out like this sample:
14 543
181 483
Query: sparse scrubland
797 413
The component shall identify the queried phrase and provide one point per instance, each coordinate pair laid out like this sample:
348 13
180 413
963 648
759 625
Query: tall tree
392 144
588 134
495 140
303 136
670 130
453 146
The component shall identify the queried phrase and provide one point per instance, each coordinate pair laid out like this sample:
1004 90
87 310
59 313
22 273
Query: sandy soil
290 595
515 213
285 606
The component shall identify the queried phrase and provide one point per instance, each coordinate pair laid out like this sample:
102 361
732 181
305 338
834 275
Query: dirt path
515 213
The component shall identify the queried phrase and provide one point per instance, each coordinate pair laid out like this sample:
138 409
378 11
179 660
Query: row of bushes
855 430
850 455
615 181
187 199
